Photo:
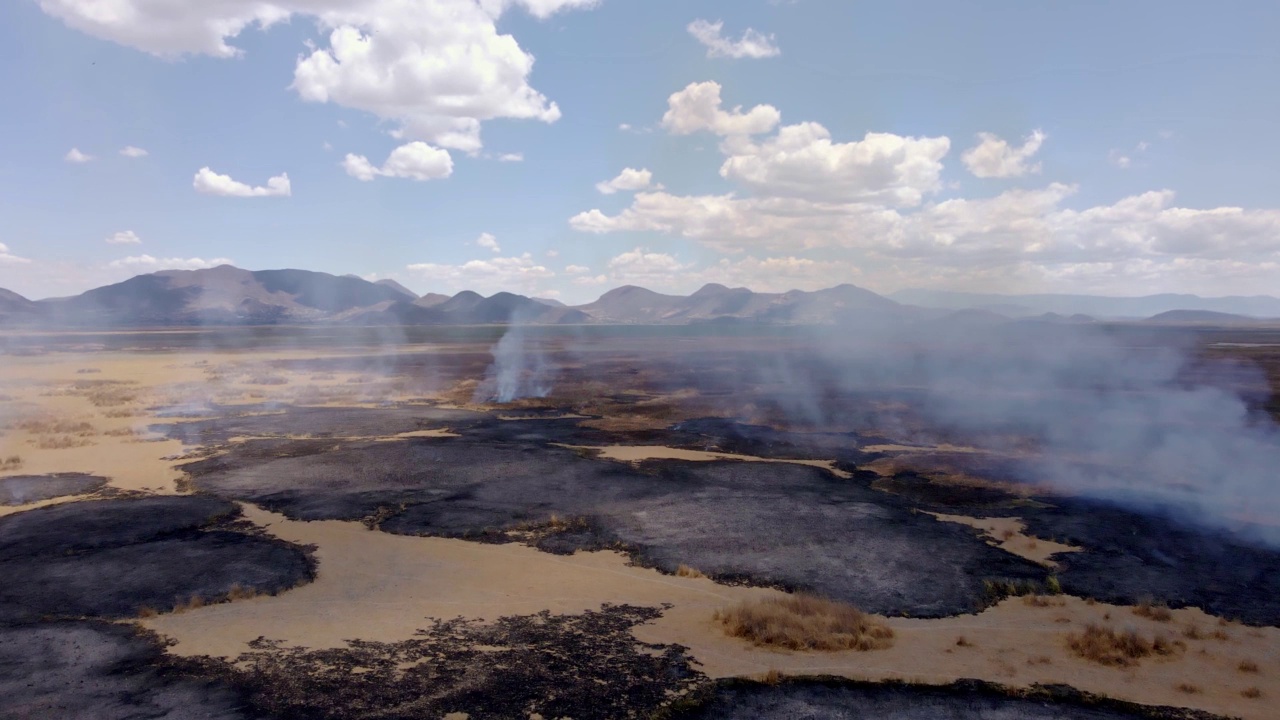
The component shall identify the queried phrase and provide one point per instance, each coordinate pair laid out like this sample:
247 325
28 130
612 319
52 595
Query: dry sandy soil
92 413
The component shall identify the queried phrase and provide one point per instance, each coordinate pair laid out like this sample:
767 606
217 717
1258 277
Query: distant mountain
220 295
549 301
430 300
388 282
631 304
1200 317
465 308
1133 308
11 301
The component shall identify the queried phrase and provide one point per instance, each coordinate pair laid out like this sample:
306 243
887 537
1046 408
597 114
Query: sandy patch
1009 534
376 586
640 453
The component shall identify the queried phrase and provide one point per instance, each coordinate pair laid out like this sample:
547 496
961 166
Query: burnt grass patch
789 526
101 670
586 666
23 489
1129 558
113 558
841 699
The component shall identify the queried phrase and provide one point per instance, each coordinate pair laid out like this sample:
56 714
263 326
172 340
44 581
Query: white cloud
576 269
124 237
802 161
75 156
697 107
628 179
131 151
517 274
591 280
1119 159
753 44
146 263
511 157
211 183
994 157
488 242
436 69
8 258
553 253
415 161
640 266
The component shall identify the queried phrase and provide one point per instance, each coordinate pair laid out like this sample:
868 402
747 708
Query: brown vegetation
963 641
13 462
1152 611
61 442
57 427
804 622
1252 693
1187 688
1247 666
689 572
1105 646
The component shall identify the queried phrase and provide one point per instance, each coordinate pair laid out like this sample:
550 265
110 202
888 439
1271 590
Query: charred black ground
113 558
23 489
840 699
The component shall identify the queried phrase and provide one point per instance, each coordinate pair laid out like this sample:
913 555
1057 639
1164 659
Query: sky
560 148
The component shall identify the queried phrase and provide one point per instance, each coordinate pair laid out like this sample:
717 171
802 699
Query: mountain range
227 295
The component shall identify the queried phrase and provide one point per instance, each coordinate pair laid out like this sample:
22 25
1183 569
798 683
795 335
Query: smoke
520 368
1121 414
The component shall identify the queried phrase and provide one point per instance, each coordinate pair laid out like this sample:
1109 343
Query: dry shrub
1152 611
804 622
61 442
1247 666
773 677
963 641
147 612
239 592
57 427
1252 693
194 603
1187 688
689 572
1192 632
13 462
1117 649
1043 601
1220 635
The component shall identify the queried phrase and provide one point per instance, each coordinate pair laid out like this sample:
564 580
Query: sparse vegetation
804 622
996 590
1247 666
147 612
57 427
772 677
264 379
120 432
963 641
111 396
1187 688
1040 660
1043 601
1105 646
689 572
1251 693
1192 632
1052 585
61 442
1153 611
13 462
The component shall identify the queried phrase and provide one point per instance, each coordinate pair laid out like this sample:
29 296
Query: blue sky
1121 148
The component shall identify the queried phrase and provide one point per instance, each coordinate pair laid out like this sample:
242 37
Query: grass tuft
1247 666
1187 688
689 572
1105 646
804 622
1152 611
1252 693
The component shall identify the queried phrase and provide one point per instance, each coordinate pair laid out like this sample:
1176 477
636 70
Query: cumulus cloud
994 157
697 107
488 242
752 44
436 69
640 266
146 263
211 183
75 156
124 237
802 161
628 179
576 269
8 258
511 157
415 161
519 274
131 151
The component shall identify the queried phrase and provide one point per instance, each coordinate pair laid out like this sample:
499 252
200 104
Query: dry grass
963 641
1187 688
1192 632
194 603
689 572
264 379
239 592
120 432
147 612
1247 666
1152 611
122 413
773 677
1252 693
111 397
1043 601
61 442
1105 646
57 427
13 462
804 622
1040 660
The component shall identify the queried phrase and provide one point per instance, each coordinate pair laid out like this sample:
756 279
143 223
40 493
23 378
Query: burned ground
23 489
585 666
1128 557
318 422
840 699
774 524
101 671
113 558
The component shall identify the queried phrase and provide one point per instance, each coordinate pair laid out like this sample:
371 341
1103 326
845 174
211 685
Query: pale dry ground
1010 534
118 394
640 453
377 586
